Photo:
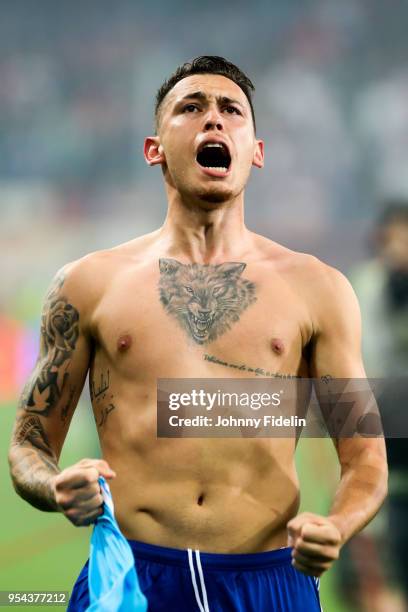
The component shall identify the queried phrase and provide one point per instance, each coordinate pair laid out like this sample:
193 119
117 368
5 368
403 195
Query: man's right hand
78 493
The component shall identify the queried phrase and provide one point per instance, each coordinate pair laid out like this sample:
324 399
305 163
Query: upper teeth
213 144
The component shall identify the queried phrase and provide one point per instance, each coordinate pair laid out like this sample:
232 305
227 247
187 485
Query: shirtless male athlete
233 501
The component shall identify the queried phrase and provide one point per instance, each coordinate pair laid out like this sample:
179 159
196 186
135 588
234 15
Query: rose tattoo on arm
33 456
59 335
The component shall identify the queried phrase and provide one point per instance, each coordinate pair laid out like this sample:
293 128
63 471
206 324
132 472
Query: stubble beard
210 195
207 195
215 197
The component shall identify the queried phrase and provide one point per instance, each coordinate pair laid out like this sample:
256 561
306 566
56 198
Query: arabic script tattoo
206 300
104 413
97 392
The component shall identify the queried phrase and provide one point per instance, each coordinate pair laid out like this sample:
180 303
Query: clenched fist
77 491
316 543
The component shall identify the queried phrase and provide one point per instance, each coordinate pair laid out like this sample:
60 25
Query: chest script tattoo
242 367
205 299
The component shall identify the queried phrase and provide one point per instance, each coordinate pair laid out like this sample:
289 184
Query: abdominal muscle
221 496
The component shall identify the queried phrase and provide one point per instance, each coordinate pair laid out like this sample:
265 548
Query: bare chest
186 321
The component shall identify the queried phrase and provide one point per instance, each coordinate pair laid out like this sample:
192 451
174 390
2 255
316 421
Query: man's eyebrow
226 100
196 95
200 95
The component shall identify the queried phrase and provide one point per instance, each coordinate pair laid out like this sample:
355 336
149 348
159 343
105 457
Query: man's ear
258 159
153 151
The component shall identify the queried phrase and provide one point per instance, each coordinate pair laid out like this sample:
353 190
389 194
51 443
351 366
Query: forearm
32 472
33 463
361 491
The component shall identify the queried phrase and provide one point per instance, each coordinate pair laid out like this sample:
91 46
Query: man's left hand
316 543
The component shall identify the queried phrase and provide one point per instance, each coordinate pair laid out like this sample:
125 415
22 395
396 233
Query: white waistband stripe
200 573
193 580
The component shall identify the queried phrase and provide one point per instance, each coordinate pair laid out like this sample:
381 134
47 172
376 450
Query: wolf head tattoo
205 299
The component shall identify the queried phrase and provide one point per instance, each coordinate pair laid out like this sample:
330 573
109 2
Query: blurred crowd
77 84
373 571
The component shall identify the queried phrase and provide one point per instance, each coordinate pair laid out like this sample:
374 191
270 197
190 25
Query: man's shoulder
306 272
331 301
324 280
329 293
96 266
89 268
297 261
86 278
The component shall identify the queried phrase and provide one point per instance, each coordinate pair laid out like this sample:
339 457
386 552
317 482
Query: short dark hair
207 64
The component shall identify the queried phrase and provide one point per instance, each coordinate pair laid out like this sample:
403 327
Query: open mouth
214 156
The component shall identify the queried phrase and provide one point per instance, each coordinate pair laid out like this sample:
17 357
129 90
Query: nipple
277 346
124 343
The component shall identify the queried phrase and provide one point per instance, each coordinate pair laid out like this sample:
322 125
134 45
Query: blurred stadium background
77 83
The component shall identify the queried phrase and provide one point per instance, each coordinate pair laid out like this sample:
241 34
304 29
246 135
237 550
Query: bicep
336 346
52 392
336 364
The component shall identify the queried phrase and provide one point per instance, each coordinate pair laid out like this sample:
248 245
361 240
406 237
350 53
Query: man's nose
213 120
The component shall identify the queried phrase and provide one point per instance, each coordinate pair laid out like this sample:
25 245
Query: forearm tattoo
32 459
33 462
30 431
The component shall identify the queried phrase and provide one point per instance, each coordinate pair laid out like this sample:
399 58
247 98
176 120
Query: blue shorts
175 580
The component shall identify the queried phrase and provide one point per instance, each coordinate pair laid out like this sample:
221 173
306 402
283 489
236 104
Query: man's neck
205 233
